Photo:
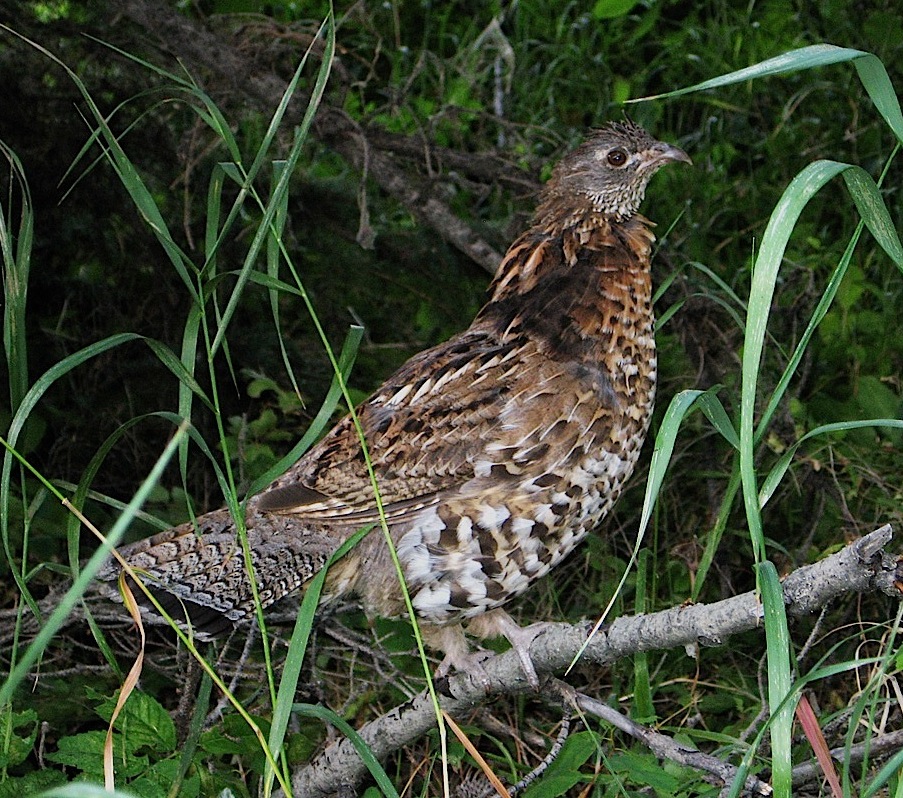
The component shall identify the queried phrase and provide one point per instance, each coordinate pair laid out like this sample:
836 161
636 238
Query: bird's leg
498 623
458 655
495 623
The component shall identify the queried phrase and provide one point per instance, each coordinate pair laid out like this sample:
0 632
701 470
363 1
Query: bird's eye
617 157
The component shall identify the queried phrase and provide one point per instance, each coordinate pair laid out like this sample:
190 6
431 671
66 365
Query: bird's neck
569 282
557 242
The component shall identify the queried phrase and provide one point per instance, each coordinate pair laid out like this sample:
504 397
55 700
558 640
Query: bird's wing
451 413
426 427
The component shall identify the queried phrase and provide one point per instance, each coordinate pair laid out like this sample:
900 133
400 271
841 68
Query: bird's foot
495 623
458 654
498 623
521 637
470 663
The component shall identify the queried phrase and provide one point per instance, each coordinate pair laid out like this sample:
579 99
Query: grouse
495 453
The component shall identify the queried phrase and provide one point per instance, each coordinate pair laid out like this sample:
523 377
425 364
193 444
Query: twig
665 747
233 73
876 748
548 759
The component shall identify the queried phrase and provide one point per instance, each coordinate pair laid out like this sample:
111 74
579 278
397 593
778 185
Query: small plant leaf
144 720
564 772
611 9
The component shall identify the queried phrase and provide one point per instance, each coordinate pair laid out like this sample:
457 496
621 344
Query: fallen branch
861 567
874 748
665 747
233 73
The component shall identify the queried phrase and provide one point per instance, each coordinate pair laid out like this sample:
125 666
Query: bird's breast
566 439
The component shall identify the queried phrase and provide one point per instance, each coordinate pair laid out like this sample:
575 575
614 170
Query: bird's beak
669 153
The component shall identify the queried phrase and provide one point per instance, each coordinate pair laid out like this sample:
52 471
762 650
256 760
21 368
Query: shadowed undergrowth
724 507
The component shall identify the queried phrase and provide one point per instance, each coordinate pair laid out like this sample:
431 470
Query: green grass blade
677 410
209 112
188 358
774 477
324 414
867 197
780 681
72 596
774 242
871 72
271 209
274 254
893 767
783 220
877 83
713 539
661 454
376 770
177 366
714 411
291 669
195 727
140 195
816 55
821 310
643 709
15 252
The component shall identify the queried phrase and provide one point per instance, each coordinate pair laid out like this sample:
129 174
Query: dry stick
665 747
201 51
548 759
876 748
861 567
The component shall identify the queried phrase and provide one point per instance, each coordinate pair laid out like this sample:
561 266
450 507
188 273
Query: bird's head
611 170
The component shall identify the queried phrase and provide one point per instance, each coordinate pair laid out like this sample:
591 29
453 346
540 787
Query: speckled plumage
495 452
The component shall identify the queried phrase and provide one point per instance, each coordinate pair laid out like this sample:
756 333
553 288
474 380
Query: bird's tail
198 574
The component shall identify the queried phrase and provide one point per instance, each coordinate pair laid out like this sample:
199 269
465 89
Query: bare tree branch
665 747
861 567
234 73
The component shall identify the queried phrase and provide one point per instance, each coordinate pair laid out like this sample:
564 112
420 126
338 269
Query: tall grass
216 291
215 295
746 436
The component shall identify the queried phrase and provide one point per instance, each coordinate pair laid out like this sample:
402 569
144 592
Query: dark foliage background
425 82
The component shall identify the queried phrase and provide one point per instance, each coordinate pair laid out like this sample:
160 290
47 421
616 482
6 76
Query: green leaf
143 722
85 752
644 769
159 778
610 9
564 772
17 748
32 783
554 785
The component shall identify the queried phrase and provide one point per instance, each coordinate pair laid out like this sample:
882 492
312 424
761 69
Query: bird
495 453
